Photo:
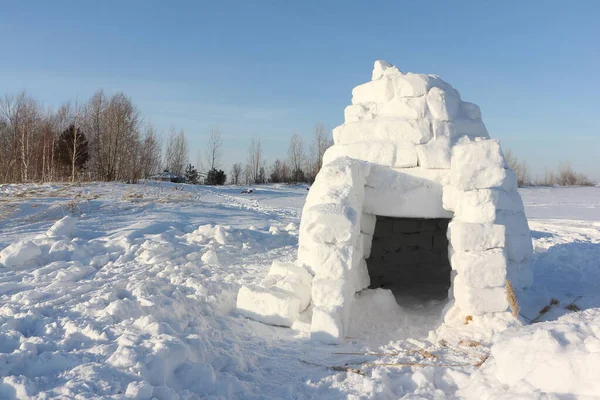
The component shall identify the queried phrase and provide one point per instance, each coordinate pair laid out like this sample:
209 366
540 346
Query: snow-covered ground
133 296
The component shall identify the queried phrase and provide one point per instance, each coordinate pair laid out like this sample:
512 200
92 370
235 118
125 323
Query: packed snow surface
129 292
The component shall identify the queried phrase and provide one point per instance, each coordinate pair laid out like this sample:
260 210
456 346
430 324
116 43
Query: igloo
413 197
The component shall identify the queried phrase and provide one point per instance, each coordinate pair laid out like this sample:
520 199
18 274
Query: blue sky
273 68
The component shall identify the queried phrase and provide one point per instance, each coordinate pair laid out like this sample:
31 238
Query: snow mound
64 227
556 357
19 253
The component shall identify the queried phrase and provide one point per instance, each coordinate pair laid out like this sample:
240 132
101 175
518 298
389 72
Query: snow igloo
413 197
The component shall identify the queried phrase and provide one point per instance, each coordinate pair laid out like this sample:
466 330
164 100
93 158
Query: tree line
563 175
106 139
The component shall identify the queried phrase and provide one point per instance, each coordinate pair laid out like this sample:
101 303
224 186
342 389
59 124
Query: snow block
383 68
480 269
268 306
360 276
329 223
442 106
367 223
459 128
359 112
518 247
401 131
383 153
481 205
477 301
520 274
344 171
411 192
465 236
331 292
326 325
478 165
449 197
328 260
378 91
435 155
470 111
366 244
404 108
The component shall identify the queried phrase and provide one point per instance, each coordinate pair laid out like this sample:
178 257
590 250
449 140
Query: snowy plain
133 294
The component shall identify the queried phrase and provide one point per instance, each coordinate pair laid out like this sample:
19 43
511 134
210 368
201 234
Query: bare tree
236 172
177 153
255 161
296 158
150 155
321 142
568 177
520 168
213 149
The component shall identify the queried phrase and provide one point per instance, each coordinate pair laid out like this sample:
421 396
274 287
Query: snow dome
413 197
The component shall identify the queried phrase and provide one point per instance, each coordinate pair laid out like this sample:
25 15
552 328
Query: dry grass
512 299
545 309
468 319
469 343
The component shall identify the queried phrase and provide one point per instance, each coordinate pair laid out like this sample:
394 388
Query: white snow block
383 68
410 192
477 301
480 269
516 223
331 292
442 105
64 227
19 254
268 306
481 205
465 236
449 197
382 153
410 108
458 128
367 223
326 325
359 112
519 247
329 223
520 274
360 276
334 193
400 131
436 154
378 91
470 111
479 165
344 171
283 269
328 260
412 85
366 245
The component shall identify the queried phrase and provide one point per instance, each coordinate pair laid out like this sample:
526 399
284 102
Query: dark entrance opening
409 256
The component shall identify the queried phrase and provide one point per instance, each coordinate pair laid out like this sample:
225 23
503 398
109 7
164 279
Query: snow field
124 307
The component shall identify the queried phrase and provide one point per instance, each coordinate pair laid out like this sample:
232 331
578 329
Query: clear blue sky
269 69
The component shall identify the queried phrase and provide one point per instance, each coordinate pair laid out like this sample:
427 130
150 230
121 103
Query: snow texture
125 308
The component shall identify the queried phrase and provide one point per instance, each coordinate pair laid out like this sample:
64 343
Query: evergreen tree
191 175
72 148
215 177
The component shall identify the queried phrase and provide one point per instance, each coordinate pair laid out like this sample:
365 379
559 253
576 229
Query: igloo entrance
409 256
